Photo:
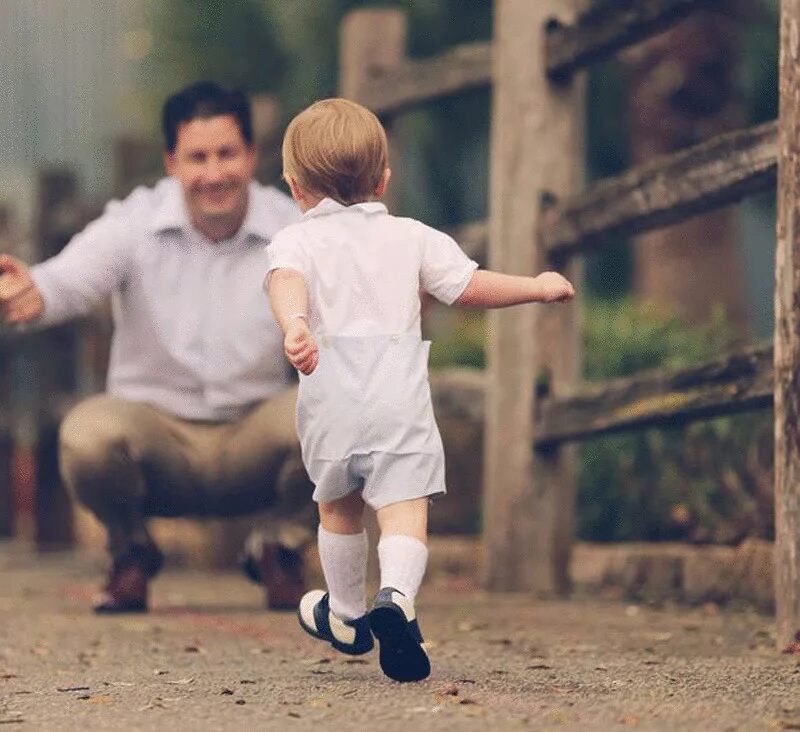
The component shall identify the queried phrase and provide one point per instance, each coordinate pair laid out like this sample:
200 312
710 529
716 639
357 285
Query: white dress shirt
193 332
369 395
364 269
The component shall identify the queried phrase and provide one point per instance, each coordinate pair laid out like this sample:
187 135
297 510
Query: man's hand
300 347
554 287
20 299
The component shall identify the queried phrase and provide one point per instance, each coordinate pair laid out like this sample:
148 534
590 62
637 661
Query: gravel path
209 658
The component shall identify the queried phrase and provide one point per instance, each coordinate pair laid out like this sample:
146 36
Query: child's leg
343 554
403 556
402 549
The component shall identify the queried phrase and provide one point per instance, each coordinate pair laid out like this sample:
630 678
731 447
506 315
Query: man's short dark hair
200 101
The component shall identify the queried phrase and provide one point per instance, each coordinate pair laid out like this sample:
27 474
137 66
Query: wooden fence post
372 40
536 148
787 334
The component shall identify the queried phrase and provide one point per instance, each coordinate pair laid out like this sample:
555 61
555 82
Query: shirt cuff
457 290
47 289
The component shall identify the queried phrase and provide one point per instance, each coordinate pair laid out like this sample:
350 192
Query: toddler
344 284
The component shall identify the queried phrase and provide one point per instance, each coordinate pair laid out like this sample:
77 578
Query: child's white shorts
383 478
366 422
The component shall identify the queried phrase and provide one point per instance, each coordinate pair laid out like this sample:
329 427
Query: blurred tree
233 42
684 87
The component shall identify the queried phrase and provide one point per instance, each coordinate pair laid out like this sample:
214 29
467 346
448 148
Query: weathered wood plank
609 26
667 190
787 336
536 144
666 398
418 81
739 382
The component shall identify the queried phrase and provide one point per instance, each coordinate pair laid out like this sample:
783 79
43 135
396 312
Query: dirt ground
208 657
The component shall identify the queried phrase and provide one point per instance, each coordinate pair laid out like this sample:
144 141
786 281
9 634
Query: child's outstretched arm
489 289
288 296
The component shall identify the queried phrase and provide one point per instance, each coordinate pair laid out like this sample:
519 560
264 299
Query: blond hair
336 148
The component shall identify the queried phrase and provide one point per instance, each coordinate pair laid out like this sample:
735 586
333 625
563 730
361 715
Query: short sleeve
286 251
446 270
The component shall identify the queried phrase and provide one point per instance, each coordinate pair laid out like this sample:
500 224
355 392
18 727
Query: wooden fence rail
417 81
738 382
662 398
609 26
667 190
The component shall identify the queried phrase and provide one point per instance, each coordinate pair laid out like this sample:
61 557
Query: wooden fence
541 215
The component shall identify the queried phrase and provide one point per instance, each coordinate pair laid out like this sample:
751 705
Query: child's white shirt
364 268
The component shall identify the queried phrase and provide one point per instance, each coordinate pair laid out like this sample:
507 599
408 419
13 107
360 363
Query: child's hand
300 347
554 287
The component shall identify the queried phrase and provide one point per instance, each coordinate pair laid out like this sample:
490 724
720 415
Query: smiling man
198 418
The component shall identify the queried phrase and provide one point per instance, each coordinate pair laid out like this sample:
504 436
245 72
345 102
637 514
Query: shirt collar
259 221
328 206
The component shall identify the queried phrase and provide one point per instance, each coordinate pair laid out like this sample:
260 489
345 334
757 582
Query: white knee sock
344 564
403 560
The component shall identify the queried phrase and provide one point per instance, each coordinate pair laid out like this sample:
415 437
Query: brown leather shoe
281 572
126 589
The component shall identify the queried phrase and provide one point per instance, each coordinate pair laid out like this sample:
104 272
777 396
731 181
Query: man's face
214 164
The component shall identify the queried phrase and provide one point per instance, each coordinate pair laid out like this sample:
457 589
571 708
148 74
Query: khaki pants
126 461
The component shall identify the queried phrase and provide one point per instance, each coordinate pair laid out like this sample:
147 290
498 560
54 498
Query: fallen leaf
315 661
72 688
226 692
468 625
100 699
155 704
241 701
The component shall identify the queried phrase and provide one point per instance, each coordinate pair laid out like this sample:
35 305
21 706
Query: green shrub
707 482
